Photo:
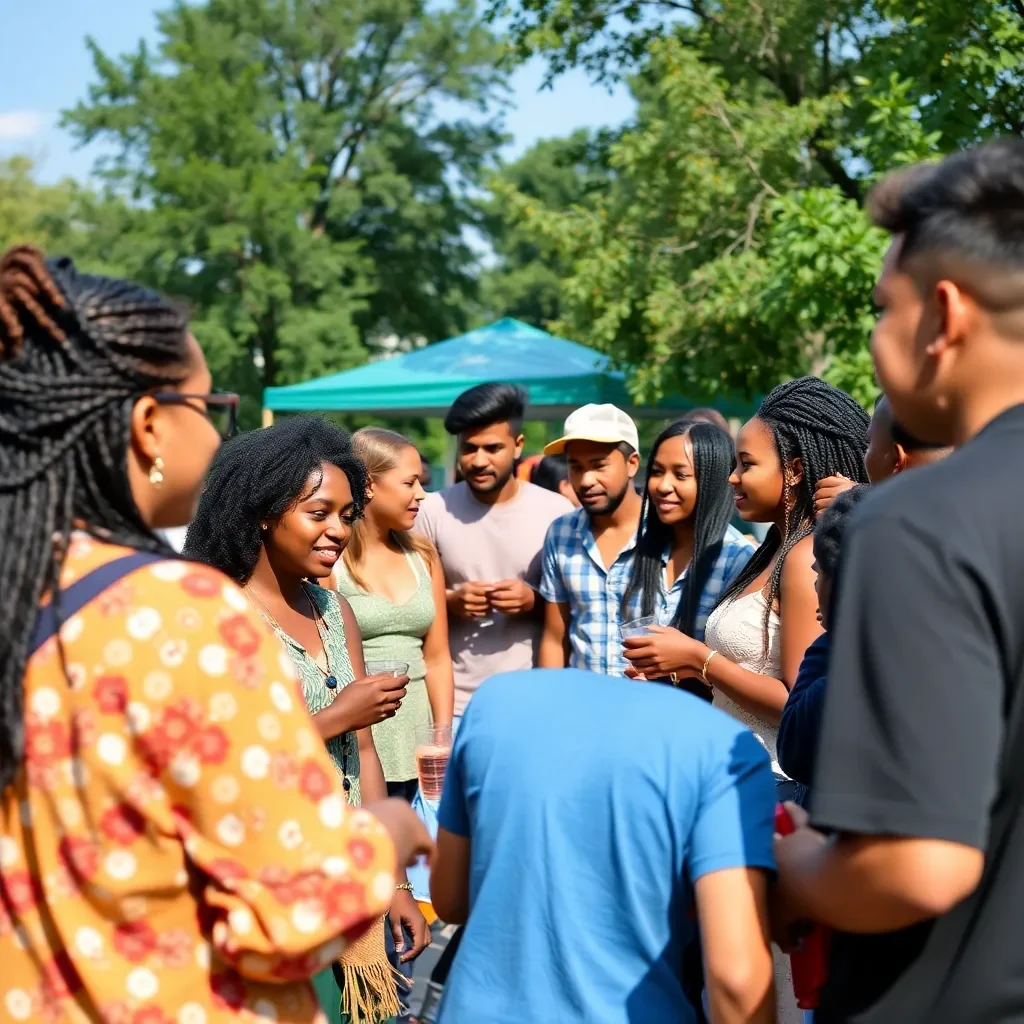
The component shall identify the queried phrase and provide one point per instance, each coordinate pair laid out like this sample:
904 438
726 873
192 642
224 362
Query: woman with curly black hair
276 516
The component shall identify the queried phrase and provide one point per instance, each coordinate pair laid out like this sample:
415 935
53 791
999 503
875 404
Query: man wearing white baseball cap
588 553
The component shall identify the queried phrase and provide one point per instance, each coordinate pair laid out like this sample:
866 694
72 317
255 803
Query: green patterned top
395 632
344 749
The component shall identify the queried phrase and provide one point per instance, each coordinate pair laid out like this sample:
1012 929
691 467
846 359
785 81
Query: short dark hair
908 442
967 213
550 472
900 435
486 404
829 530
256 477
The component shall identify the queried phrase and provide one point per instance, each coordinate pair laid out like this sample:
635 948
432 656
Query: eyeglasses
221 409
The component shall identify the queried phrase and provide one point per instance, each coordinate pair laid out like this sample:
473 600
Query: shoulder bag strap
84 590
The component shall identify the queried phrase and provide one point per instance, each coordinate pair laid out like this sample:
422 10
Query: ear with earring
156 472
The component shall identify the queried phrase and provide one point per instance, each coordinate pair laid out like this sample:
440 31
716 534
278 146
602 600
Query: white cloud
16 125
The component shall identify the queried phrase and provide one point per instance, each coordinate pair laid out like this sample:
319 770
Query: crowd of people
671 745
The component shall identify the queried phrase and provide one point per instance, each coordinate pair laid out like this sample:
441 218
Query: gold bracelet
407 886
704 670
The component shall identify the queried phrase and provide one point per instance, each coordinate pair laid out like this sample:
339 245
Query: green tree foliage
731 250
557 174
294 176
62 219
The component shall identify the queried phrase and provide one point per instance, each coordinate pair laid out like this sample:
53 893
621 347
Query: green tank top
395 632
344 750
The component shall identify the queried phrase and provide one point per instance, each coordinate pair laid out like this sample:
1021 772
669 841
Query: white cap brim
558 447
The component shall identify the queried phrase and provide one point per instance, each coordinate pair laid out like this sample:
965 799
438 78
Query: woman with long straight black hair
687 554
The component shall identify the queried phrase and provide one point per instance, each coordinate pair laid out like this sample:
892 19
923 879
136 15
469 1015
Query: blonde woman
393 580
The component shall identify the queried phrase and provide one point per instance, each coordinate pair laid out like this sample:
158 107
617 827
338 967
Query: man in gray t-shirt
489 532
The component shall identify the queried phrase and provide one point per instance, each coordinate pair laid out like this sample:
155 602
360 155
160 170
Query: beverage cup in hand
387 668
433 748
637 627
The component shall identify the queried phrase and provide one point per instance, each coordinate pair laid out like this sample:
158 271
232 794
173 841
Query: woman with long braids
276 515
686 552
805 430
174 843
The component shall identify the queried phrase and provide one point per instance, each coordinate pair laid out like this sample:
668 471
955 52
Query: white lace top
736 630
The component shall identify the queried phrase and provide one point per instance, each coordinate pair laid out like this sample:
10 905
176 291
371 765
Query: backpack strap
84 590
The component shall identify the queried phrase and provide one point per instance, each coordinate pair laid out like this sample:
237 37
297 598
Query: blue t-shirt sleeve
552 586
735 819
453 814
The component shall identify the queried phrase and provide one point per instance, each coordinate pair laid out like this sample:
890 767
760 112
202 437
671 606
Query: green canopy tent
559 376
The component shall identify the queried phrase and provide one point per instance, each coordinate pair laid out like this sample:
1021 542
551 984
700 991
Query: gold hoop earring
156 472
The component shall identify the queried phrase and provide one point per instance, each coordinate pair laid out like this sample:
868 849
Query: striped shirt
573 573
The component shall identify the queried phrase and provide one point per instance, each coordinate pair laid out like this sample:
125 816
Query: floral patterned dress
176 848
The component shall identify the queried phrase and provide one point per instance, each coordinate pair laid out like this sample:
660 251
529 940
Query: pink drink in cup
433 748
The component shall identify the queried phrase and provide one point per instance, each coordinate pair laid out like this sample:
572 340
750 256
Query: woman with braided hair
174 842
804 431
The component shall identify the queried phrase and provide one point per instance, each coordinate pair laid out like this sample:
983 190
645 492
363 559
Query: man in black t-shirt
920 774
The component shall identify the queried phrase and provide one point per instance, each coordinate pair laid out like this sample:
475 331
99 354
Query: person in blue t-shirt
583 819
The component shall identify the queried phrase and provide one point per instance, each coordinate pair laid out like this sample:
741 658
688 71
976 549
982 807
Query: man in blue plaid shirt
588 554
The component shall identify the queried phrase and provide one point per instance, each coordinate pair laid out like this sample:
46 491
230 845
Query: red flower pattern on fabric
135 940
151 1015
123 824
21 890
84 729
362 852
46 743
175 948
118 1012
111 693
211 744
248 671
227 871
201 584
314 782
240 635
344 901
80 857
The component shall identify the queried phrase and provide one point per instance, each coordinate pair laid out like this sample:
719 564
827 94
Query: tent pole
268 417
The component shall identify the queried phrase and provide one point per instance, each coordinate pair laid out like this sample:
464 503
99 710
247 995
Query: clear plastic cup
637 627
433 748
387 668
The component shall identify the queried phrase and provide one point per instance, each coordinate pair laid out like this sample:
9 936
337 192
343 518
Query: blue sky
46 68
